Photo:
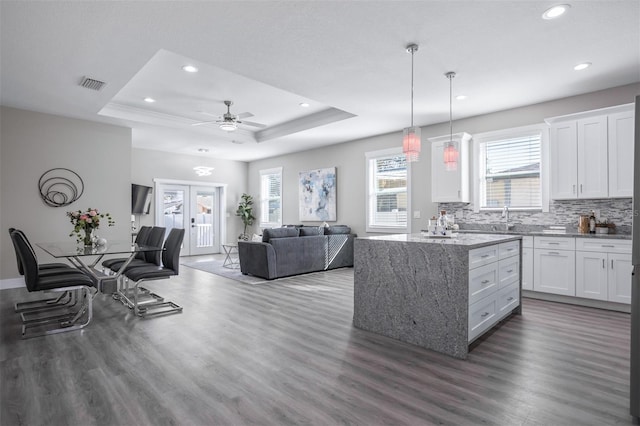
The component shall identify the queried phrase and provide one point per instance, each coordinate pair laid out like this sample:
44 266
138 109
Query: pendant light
451 151
411 135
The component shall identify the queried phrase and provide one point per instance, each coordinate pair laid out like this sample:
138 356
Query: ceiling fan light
411 143
228 127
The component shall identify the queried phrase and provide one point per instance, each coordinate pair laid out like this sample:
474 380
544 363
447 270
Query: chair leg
67 323
154 308
43 304
51 313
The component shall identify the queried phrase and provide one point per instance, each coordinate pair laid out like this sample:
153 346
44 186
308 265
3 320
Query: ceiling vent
92 84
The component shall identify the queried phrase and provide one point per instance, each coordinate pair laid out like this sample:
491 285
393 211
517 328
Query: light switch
416 214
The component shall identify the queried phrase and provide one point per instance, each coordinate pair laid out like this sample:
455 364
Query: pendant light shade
451 150
411 143
411 135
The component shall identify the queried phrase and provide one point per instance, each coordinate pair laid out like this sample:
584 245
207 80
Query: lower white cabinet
604 276
554 271
527 263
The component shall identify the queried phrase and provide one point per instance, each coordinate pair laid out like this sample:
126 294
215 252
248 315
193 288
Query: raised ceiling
347 60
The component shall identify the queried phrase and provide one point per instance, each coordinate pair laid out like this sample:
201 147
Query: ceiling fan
229 122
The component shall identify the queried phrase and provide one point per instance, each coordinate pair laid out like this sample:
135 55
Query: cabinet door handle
603 264
510 299
552 243
581 188
574 189
509 271
485 255
554 253
485 315
608 245
485 281
458 193
611 263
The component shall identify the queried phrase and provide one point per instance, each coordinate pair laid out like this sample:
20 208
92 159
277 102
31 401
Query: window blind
510 172
270 198
388 197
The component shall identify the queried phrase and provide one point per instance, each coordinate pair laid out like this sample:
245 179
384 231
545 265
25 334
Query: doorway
197 208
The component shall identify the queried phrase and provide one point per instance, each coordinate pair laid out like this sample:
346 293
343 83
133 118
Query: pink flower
84 217
93 213
88 220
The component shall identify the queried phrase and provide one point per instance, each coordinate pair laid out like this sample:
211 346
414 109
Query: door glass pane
204 219
173 207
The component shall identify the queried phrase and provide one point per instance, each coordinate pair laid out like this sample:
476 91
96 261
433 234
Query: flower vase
88 237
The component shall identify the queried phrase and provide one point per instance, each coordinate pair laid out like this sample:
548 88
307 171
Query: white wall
148 165
32 143
349 157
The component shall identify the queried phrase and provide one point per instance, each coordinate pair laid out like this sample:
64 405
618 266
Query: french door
194 208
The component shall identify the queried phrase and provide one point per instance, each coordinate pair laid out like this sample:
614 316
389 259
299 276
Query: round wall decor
60 187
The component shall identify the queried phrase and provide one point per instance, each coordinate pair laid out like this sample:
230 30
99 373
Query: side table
231 259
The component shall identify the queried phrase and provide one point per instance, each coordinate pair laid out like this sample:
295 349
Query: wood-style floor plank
286 353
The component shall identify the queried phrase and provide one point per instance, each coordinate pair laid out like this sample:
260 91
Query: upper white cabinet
591 154
621 128
450 186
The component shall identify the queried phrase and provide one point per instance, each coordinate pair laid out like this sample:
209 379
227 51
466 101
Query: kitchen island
437 293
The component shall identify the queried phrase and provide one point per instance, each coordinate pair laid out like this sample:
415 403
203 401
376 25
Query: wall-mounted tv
140 199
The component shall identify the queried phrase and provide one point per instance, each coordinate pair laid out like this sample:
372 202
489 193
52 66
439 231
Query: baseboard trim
571 300
9 283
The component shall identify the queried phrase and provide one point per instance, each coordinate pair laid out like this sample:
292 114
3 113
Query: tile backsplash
561 212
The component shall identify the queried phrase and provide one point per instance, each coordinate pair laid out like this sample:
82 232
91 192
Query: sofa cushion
337 229
270 233
309 231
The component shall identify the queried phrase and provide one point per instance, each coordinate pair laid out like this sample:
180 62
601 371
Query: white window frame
264 200
370 185
516 132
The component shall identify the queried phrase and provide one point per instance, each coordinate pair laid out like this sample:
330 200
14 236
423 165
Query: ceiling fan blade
251 123
209 114
203 122
244 115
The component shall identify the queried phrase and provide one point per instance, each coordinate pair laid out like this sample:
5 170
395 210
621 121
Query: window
510 170
271 198
387 191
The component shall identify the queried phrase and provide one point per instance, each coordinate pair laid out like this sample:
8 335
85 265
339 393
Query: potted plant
245 211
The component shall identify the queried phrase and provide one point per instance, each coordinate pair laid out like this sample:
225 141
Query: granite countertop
468 240
548 234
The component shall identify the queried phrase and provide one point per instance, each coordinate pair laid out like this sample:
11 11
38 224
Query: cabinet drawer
554 243
508 299
603 245
512 248
482 282
482 315
483 256
508 271
527 241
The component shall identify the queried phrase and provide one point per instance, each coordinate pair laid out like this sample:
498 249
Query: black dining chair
141 239
70 282
170 267
44 269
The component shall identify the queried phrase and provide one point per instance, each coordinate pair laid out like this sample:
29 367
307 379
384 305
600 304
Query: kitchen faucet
505 214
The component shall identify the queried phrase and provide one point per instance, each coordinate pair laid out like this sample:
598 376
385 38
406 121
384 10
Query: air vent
92 84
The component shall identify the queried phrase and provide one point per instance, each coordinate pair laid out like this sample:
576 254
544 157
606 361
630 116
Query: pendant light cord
412 53
450 76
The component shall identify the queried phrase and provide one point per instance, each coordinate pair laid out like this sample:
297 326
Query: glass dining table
85 258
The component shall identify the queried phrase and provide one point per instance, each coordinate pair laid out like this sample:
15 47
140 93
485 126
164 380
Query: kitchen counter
417 289
547 234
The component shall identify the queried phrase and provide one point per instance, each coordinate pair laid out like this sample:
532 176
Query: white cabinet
450 186
603 269
494 285
554 265
527 263
579 167
621 137
591 154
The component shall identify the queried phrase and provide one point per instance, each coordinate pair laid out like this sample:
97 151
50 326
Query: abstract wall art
317 195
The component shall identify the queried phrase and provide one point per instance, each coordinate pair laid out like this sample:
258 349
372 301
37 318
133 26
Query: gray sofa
297 250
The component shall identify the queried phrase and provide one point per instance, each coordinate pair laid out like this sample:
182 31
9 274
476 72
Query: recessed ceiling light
203 150
582 66
555 11
237 142
149 100
461 97
304 104
190 68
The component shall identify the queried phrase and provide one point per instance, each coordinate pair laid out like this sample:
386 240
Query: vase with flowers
84 223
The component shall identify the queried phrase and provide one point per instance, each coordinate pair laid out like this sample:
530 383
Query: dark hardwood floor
286 352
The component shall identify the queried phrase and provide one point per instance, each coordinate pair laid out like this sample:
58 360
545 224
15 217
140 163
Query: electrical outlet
416 214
